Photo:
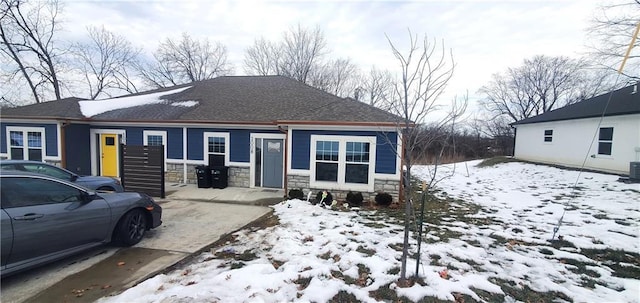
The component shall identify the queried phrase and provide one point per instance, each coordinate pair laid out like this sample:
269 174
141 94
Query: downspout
285 182
63 144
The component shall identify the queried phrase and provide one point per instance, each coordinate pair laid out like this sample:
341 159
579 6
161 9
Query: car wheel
131 228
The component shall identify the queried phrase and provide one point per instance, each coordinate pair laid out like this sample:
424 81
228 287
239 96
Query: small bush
354 199
296 194
327 200
383 199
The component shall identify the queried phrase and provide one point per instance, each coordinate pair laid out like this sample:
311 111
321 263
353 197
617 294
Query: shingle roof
65 108
261 99
624 101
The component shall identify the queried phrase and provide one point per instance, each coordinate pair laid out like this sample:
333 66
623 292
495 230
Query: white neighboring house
574 134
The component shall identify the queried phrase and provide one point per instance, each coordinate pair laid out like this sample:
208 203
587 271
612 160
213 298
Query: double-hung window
327 161
26 143
216 148
605 141
156 138
548 135
342 162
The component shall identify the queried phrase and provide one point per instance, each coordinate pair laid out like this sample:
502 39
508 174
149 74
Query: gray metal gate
142 169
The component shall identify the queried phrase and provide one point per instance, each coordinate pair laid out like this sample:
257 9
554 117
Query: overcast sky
486 36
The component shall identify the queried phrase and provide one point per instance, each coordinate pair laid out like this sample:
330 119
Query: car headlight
116 181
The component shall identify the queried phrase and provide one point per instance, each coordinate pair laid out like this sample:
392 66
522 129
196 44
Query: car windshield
47 170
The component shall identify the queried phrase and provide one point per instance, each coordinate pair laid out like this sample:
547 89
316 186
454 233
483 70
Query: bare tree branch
185 61
104 62
28 29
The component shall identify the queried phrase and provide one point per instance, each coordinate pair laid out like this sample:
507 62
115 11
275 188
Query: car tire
131 228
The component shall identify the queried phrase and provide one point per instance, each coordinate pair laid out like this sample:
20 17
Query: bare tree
425 70
105 61
28 29
185 61
298 55
376 88
263 58
302 51
539 85
302 55
611 31
337 77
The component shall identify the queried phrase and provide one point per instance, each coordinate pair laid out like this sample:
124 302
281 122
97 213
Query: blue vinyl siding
239 145
385 152
135 137
78 155
50 136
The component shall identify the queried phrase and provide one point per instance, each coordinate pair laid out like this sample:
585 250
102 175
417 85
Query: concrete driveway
188 227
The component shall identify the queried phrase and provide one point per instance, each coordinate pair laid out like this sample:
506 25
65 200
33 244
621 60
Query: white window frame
342 163
545 136
610 154
205 143
161 133
25 140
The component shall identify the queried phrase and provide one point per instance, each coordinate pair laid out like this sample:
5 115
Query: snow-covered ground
493 245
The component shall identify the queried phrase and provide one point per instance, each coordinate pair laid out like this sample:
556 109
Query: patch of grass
386 294
525 294
546 251
601 216
236 265
494 161
561 243
325 256
276 263
394 271
302 282
615 259
484 295
375 225
345 297
366 251
622 222
580 267
396 246
246 255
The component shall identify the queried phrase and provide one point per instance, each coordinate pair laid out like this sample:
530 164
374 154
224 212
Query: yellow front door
109 155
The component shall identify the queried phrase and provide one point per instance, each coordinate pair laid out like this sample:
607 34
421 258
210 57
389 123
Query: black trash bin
219 176
204 176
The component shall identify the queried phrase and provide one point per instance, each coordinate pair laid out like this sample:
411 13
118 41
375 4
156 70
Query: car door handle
29 217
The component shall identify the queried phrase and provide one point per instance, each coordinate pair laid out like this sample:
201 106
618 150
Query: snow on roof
91 108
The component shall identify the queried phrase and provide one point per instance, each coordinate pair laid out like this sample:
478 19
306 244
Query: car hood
91 179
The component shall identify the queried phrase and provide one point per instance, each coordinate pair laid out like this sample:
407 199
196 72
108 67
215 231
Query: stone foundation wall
391 187
174 173
239 176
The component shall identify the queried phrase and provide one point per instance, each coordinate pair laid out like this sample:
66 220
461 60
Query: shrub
383 199
296 194
354 199
327 200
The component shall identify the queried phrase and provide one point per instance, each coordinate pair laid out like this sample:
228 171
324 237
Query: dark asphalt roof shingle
65 108
624 101
233 99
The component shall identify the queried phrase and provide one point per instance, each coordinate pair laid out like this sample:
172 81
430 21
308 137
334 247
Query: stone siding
174 173
239 176
391 187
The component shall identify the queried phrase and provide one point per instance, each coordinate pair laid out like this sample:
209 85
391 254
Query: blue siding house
271 131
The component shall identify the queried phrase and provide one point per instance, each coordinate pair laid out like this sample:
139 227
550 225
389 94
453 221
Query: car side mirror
74 177
89 196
